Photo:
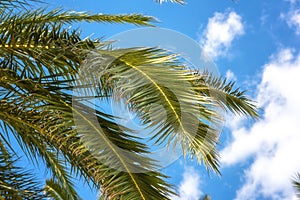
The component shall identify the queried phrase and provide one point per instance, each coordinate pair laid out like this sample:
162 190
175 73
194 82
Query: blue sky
257 44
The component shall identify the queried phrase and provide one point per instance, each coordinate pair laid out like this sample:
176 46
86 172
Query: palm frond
13 4
296 184
225 94
138 76
15 182
41 16
16 113
54 190
48 120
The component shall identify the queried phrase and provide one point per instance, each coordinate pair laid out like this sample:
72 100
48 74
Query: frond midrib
113 149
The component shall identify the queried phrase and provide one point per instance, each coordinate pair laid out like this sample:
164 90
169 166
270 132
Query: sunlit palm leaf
225 94
137 76
191 118
41 16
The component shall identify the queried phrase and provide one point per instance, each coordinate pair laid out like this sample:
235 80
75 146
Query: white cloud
292 17
189 188
230 75
274 141
293 20
221 30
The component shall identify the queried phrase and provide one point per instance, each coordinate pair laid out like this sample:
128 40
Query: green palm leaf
41 16
42 125
54 190
225 94
191 118
136 75
40 61
15 182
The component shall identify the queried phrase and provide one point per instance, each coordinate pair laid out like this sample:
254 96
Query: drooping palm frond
54 191
137 76
56 57
191 118
40 60
15 182
296 184
35 144
48 120
225 94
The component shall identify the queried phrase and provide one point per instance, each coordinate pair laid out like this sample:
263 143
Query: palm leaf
44 125
137 76
54 190
225 94
41 16
15 182
296 184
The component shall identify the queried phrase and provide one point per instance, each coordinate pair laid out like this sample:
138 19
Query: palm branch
16 182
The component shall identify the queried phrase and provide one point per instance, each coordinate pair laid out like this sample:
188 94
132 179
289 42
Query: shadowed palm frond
48 122
56 56
54 191
15 182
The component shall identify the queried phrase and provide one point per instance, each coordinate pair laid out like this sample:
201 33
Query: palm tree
42 63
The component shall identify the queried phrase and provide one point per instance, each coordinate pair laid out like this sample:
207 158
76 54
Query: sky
255 43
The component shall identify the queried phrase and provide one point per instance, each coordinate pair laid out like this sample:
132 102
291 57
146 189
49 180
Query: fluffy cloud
293 20
221 30
273 143
230 75
189 188
293 16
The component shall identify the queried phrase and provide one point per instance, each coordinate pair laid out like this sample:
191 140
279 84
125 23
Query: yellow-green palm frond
54 190
227 96
169 98
41 16
153 83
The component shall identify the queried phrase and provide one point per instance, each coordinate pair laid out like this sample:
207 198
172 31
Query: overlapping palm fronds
191 118
15 182
41 64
